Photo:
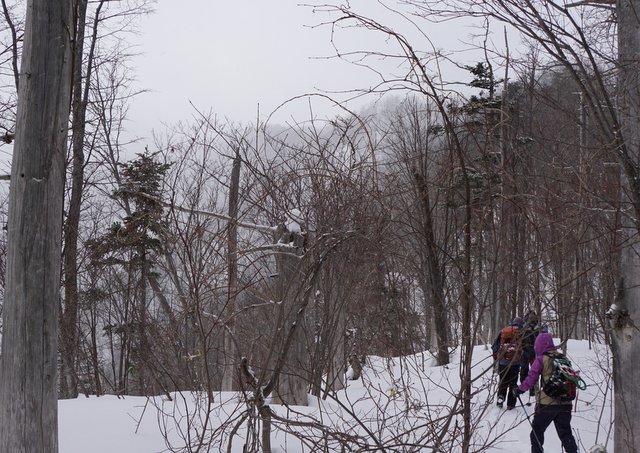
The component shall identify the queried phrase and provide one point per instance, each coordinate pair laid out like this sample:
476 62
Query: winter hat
516 322
543 343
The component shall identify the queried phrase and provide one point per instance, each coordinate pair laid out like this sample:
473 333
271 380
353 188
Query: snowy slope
399 403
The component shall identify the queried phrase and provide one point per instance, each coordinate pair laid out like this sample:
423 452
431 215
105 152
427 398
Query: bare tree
28 366
504 159
80 93
87 54
569 34
11 45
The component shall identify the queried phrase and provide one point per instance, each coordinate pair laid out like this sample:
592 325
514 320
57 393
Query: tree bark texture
293 379
625 333
28 399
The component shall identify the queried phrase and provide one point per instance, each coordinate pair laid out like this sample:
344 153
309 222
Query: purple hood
544 343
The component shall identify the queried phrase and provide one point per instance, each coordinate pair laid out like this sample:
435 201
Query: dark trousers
560 415
508 382
524 371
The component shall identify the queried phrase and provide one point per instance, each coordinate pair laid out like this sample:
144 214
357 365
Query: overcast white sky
229 56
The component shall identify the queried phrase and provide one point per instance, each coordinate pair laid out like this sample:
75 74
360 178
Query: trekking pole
529 420
525 411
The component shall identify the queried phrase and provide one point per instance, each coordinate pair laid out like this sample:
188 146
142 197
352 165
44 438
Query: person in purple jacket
547 409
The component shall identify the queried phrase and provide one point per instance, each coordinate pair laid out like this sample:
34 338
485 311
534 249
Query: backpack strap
548 354
552 354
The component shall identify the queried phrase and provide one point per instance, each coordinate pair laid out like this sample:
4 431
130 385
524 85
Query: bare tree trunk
434 273
265 434
69 312
28 366
625 333
293 379
468 335
230 352
79 103
332 338
337 359
143 348
95 362
14 43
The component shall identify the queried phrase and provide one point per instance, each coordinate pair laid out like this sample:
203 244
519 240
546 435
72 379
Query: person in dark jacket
530 332
508 364
547 409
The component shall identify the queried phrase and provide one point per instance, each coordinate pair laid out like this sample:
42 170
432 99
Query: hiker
507 352
530 332
547 409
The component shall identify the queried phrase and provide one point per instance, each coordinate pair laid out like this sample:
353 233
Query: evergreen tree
135 244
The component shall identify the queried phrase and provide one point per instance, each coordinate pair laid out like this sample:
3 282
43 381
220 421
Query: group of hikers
525 350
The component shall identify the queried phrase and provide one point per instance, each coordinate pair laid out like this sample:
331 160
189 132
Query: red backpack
510 344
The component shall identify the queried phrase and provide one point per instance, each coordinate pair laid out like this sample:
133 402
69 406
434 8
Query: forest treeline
340 239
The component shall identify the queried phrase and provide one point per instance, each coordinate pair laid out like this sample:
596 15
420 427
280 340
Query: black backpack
564 380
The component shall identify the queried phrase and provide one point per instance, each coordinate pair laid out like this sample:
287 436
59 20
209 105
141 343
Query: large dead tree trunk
28 399
625 333
294 379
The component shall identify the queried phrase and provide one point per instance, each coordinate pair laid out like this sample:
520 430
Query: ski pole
529 420
525 411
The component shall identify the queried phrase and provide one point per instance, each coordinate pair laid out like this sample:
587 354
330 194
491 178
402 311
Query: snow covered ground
401 403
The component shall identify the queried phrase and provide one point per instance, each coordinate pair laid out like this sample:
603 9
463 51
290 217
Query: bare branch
215 215
607 4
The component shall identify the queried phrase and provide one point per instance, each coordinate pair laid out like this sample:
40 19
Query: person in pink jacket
547 409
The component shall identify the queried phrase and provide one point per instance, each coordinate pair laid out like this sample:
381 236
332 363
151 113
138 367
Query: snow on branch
252 226
608 4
